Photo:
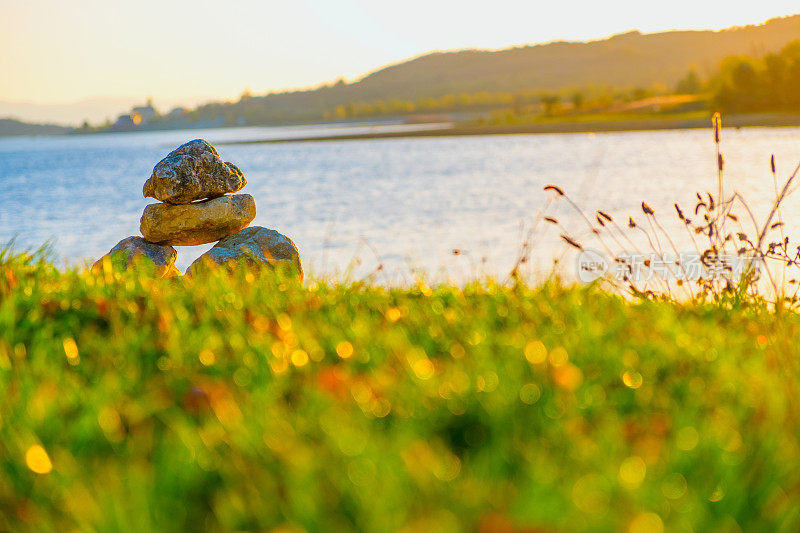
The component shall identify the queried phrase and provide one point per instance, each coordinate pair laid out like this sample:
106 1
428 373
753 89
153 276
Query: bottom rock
257 247
138 250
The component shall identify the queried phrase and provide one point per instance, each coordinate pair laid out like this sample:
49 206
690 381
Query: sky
66 50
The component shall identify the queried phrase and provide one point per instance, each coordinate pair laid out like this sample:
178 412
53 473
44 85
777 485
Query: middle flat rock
198 222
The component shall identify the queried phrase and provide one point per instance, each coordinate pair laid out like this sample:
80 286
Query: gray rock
193 171
257 247
137 250
197 222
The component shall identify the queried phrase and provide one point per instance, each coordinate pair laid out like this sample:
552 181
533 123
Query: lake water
403 203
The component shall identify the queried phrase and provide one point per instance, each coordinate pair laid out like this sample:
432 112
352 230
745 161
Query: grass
737 259
245 403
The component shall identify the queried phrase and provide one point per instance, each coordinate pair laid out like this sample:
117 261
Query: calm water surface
405 203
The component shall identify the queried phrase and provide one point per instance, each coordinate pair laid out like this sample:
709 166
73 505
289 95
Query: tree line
519 102
771 83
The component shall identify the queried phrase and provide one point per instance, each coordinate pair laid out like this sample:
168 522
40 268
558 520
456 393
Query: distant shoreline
608 126
571 124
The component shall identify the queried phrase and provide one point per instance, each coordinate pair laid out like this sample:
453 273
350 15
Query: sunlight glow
61 51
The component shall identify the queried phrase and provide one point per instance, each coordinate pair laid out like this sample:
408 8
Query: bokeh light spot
632 472
393 314
559 357
568 377
299 358
591 494
632 379
530 393
37 460
647 523
535 352
207 357
674 486
71 351
344 350
423 368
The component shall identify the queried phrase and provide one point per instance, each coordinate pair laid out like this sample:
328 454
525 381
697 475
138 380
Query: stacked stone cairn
196 206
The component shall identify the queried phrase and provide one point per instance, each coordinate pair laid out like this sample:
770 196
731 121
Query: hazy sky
61 50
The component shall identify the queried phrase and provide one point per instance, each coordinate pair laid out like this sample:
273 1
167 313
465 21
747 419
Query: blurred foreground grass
242 403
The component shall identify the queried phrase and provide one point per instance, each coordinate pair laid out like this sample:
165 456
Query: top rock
193 171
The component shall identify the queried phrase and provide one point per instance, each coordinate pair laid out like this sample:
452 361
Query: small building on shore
138 116
123 123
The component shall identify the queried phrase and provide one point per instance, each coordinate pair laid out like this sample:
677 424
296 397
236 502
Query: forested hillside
626 60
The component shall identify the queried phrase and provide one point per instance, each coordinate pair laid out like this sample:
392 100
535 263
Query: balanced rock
193 171
138 251
257 247
197 222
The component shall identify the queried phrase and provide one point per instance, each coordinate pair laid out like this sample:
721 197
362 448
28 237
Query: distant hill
9 127
626 60
629 59
95 110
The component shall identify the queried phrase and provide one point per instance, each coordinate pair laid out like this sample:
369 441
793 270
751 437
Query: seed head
717 121
571 242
